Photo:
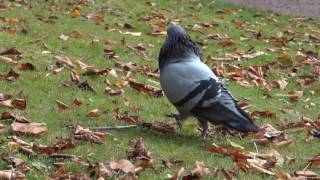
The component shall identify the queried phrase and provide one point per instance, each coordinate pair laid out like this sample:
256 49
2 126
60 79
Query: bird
192 87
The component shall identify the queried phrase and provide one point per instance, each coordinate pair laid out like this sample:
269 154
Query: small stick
305 168
255 145
113 127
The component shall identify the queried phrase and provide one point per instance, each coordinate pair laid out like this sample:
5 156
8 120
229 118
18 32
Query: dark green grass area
41 88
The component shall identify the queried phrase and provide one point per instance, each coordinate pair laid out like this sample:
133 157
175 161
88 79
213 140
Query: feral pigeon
194 89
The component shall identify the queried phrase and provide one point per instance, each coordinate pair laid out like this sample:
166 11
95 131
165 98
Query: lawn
102 33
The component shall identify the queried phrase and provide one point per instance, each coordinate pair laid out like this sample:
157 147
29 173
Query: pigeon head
176 31
177 47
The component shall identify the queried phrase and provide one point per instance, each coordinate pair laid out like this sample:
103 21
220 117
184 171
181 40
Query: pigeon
192 87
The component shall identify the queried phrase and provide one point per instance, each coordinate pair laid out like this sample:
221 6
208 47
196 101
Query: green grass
186 144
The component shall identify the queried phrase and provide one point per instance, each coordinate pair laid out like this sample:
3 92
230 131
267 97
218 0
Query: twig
305 168
113 127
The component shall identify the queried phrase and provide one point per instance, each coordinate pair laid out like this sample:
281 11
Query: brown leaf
27 66
128 118
29 128
63 174
12 174
57 146
138 150
268 135
103 170
19 103
14 116
178 175
19 164
227 42
57 70
152 91
85 86
112 92
94 113
75 77
284 61
124 165
77 102
87 135
315 161
293 95
63 60
12 53
2 126
159 127
306 174
61 105
7 60
10 76
281 84
263 114
200 170
171 162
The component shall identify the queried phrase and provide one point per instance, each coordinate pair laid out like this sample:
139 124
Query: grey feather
192 87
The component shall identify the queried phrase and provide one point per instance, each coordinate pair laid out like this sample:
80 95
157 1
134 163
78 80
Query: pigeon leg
204 126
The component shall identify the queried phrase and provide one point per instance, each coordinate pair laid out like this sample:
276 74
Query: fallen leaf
74 13
227 42
14 116
152 91
315 161
131 33
7 60
293 95
61 105
281 84
77 102
128 118
75 77
57 146
199 171
124 165
12 174
87 135
171 162
27 66
112 92
29 128
63 37
263 114
10 76
85 86
19 164
63 174
268 135
94 113
12 53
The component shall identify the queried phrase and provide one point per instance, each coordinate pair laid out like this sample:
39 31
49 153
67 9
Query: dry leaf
112 92
131 33
14 116
268 135
94 113
152 91
77 102
171 162
27 66
12 174
124 165
61 105
281 84
29 128
87 135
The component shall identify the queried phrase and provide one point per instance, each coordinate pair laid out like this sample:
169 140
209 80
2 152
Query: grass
42 90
